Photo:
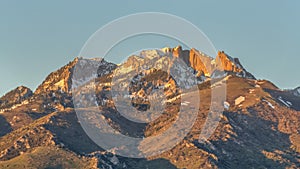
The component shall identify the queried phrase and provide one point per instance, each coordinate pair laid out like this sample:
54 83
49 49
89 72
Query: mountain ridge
259 127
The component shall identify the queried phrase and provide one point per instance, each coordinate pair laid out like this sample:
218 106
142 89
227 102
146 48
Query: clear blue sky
38 37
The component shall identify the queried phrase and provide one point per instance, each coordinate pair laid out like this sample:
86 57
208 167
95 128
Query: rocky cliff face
195 59
205 65
231 65
62 78
200 62
58 80
15 96
259 127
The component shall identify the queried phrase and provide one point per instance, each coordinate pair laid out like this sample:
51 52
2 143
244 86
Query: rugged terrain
259 127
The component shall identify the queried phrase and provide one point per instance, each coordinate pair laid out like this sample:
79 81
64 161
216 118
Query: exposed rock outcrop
231 65
205 65
58 80
15 96
259 127
62 78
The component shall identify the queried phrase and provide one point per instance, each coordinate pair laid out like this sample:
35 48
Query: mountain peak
166 49
62 78
231 65
58 80
205 65
15 96
258 116
177 51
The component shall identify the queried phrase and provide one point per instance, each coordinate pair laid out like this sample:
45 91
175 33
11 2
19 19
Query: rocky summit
206 65
258 128
15 96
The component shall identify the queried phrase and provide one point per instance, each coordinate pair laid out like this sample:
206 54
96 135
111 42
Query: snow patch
239 100
288 102
185 103
251 91
284 102
150 54
226 105
270 104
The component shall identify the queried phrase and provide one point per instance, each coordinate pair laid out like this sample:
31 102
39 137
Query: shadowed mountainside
259 127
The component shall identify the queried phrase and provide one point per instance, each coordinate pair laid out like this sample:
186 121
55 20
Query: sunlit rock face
62 78
259 127
228 63
58 80
205 65
231 65
15 96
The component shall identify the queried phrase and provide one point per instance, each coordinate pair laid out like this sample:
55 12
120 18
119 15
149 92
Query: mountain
15 96
205 65
259 127
296 91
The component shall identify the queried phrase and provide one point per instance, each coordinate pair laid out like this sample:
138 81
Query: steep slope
256 130
256 133
58 80
231 65
287 98
39 158
296 91
36 142
205 65
62 78
21 106
12 110
15 96
259 127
